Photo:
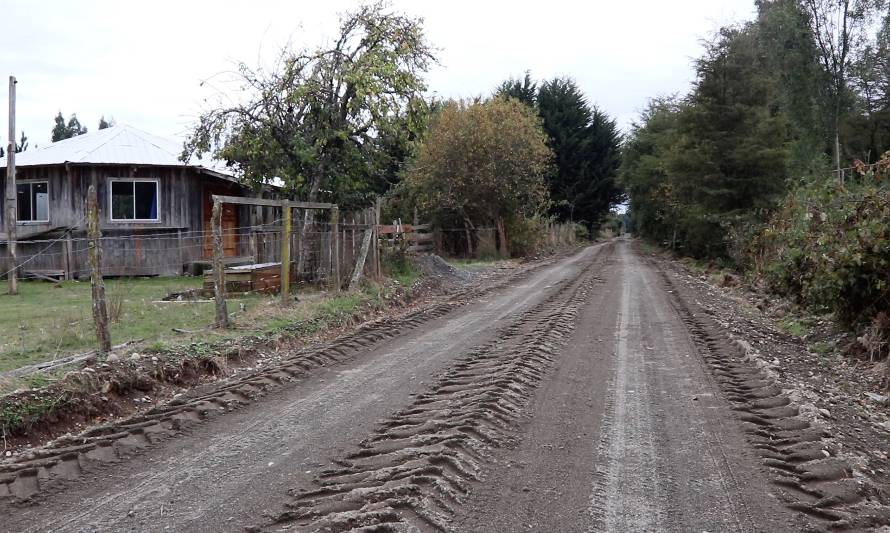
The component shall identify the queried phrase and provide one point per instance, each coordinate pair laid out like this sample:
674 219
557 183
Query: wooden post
360 261
219 271
11 195
286 229
335 248
100 307
378 205
179 247
69 257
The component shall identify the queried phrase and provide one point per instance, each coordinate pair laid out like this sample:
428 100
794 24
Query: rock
878 398
112 358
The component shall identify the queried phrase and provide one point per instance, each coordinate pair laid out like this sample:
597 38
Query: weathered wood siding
130 248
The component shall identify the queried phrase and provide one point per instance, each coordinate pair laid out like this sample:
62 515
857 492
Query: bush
526 235
828 247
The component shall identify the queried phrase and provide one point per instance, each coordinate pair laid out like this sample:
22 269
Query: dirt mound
435 266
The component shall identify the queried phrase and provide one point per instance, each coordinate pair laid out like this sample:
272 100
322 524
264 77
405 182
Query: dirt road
587 395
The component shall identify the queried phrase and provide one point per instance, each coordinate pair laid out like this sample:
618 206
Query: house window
33 201
134 200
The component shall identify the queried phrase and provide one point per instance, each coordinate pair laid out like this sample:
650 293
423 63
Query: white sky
142 62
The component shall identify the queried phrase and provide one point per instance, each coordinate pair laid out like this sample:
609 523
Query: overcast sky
143 62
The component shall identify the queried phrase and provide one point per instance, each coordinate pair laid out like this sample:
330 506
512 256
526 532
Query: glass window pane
40 201
122 200
146 200
23 204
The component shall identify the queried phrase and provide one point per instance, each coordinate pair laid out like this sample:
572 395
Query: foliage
524 90
586 143
828 247
328 121
62 131
105 124
481 162
698 167
837 28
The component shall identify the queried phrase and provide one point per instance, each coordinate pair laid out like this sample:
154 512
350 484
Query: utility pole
11 195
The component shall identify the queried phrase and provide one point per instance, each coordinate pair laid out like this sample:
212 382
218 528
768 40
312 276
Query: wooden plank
240 200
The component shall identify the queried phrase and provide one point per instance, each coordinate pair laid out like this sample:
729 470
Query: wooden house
154 210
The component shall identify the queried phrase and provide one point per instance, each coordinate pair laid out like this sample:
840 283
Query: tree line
352 121
776 160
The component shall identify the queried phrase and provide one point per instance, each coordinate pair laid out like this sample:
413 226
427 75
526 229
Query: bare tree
838 27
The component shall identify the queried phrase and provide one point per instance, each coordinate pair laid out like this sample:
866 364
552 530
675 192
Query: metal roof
117 145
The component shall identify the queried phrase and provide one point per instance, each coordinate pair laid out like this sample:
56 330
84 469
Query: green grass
796 327
46 320
401 269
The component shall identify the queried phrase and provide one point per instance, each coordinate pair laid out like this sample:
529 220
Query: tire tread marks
420 463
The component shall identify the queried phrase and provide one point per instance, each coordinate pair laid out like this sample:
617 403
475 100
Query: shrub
828 246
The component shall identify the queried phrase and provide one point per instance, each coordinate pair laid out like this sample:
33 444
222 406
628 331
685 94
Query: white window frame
111 218
30 183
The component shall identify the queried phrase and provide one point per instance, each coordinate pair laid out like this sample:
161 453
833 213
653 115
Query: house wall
129 248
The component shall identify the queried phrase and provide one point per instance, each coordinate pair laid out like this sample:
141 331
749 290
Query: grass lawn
47 320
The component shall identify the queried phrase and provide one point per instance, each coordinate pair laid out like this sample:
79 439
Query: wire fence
174 252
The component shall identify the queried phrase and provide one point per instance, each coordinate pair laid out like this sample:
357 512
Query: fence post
377 208
286 228
219 271
97 284
11 195
335 230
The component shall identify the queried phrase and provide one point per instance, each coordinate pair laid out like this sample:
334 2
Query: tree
524 90
318 119
22 145
482 162
838 26
789 61
105 124
62 131
701 169
587 147
654 207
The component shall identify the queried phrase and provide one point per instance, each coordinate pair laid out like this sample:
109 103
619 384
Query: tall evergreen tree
586 143
61 130
525 90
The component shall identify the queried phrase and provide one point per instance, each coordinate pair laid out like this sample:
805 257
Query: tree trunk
467 227
504 248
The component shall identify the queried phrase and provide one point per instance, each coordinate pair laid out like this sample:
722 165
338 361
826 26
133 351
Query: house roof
117 145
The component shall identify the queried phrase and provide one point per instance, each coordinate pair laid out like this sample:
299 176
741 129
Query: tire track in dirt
810 479
66 459
420 463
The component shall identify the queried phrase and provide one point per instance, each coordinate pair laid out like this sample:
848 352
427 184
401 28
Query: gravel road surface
583 395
